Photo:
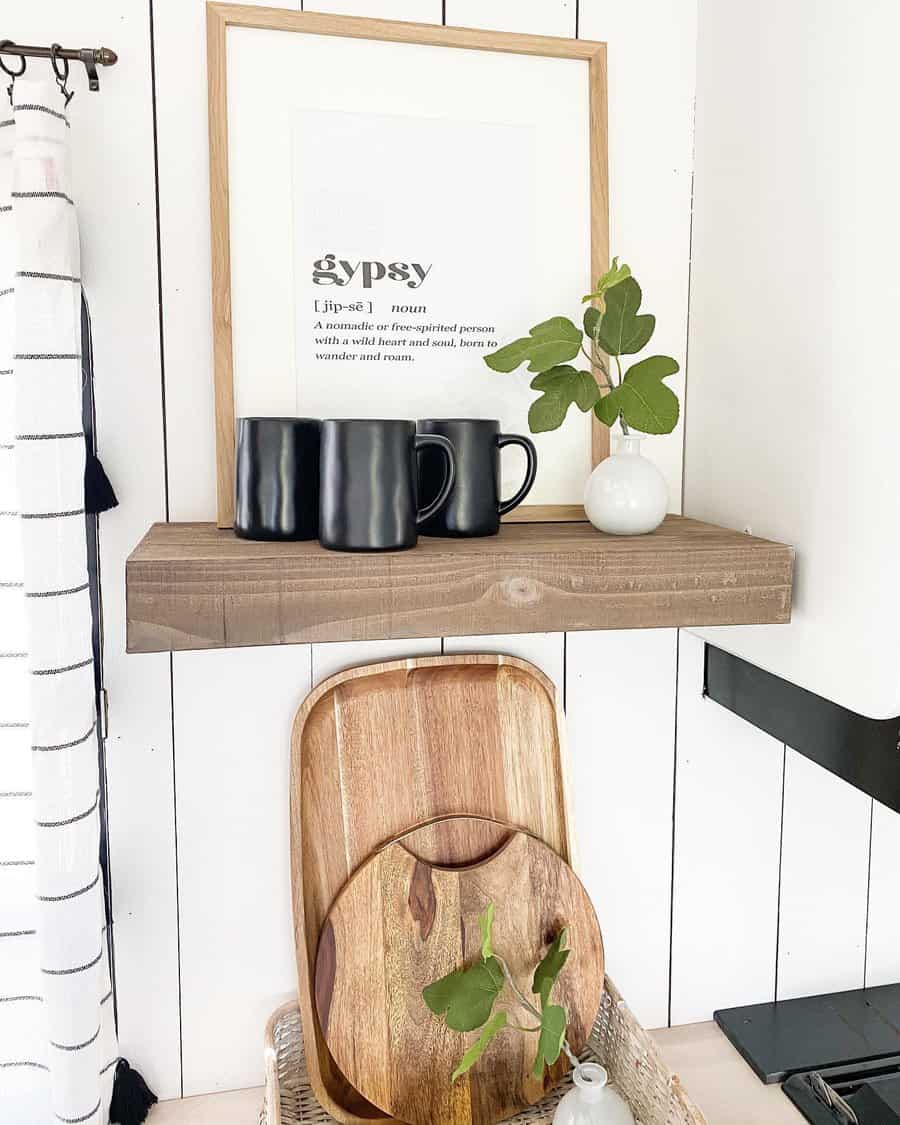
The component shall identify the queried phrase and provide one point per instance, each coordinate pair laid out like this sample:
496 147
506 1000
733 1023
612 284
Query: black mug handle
446 448
530 471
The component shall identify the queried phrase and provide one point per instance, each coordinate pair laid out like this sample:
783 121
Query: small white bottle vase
592 1101
626 494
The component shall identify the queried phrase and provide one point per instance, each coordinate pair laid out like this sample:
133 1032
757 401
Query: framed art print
389 201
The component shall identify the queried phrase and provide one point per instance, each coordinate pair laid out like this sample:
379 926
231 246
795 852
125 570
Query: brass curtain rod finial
91 57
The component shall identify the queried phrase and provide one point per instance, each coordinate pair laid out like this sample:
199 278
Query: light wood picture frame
221 17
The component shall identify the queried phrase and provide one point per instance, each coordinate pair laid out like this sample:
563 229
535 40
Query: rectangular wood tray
380 748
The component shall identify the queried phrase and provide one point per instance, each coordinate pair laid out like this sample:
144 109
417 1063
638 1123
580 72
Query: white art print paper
422 208
396 297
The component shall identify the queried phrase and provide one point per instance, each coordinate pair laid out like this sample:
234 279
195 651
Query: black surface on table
815 1032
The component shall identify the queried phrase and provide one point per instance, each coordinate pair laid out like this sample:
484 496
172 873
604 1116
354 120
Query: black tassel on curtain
99 495
131 1097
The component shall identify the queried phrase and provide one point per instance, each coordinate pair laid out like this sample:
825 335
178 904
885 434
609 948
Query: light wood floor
238 1107
718 1079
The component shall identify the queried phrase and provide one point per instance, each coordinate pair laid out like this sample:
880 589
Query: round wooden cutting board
401 923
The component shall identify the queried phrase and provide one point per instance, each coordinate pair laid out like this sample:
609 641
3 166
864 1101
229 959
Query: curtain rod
91 57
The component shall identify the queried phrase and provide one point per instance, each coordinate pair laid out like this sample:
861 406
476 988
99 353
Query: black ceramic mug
475 506
369 498
276 494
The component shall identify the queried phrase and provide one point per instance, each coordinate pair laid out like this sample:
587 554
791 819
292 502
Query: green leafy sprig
466 997
614 327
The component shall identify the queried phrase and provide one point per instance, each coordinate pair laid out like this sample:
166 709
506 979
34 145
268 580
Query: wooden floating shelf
190 585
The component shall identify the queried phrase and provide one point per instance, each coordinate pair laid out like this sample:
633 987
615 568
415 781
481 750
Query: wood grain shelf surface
193 586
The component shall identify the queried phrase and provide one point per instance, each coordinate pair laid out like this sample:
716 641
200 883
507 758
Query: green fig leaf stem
465 999
613 326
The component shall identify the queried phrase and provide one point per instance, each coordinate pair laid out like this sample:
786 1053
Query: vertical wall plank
181 109
141 818
824 882
527 17
327 659
652 75
728 792
544 650
883 937
121 289
415 11
620 700
233 715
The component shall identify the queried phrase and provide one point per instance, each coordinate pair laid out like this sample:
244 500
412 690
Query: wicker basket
617 1041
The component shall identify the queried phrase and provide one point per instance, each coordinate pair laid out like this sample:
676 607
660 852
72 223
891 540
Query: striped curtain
58 1048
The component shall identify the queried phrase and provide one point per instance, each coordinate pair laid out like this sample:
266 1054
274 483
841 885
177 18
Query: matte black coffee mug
474 507
276 490
369 499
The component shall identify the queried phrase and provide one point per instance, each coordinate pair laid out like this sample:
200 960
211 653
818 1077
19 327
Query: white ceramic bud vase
592 1101
626 494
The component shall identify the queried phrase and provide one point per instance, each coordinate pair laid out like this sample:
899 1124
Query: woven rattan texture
618 1042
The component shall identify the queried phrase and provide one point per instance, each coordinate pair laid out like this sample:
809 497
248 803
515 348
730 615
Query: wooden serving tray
400 924
378 749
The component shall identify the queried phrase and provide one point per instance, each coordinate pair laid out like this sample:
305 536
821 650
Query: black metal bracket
865 752
90 66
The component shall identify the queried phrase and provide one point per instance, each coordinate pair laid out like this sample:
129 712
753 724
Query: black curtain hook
62 74
12 73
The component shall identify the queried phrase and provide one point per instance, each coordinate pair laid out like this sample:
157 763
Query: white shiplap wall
620 700
728 796
691 821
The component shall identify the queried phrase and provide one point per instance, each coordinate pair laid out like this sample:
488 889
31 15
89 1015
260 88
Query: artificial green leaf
466 996
613 276
609 407
579 386
546 413
647 404
553 1031
439 995
562 386
486 925
592 318
644 327
622 331
554 341
550 967
494 1025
